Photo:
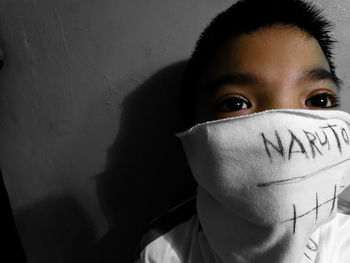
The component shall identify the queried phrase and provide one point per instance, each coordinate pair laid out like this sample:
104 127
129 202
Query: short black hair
247 16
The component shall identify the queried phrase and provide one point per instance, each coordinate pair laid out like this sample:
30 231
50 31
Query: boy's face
272 68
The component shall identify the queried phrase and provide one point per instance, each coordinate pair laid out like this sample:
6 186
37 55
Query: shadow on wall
146 172
56 230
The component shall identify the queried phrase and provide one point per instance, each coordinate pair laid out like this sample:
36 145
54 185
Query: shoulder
334 245
169 237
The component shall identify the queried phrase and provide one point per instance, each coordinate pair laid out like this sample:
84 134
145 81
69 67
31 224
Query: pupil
236 104
321 101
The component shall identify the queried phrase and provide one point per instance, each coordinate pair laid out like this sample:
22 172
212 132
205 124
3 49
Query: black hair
247 16
1 59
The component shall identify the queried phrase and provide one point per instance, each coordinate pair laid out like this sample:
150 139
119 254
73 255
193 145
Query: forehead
273 52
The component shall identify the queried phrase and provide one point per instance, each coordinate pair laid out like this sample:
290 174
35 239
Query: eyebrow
244 79
234 78
318 74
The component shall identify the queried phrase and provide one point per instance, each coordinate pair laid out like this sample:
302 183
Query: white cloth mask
278 169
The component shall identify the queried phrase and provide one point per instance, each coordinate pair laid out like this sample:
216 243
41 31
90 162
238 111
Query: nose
280 100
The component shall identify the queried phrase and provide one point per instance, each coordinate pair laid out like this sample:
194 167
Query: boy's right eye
233 103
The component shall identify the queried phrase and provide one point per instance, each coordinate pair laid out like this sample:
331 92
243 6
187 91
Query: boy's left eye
323 100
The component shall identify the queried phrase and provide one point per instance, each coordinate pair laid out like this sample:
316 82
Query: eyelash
335 102
220 107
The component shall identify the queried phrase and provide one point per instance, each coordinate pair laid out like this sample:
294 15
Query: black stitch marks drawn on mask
306 255
313 246
334 198
301 178
295 217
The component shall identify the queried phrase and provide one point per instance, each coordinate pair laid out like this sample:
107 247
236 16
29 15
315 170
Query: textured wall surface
88 102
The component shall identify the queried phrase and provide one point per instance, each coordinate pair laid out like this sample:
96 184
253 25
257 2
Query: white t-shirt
178 238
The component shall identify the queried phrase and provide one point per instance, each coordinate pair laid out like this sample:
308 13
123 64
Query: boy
258 56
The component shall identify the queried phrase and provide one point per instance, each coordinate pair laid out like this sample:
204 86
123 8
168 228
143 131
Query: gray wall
88 95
